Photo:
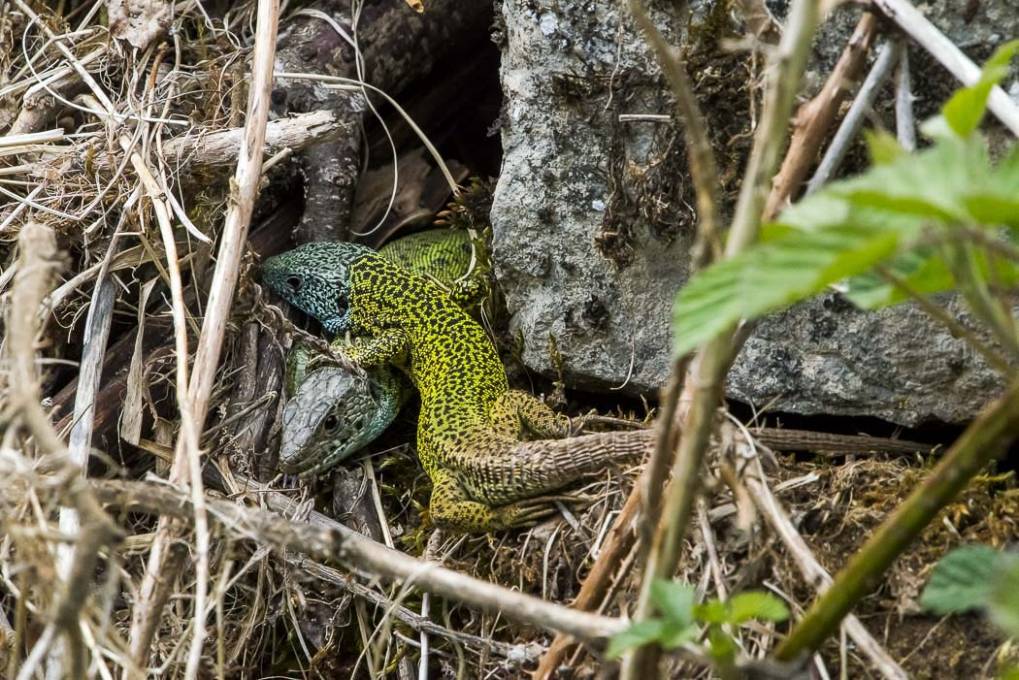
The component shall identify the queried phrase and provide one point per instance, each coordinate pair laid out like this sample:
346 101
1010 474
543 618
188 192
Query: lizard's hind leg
450 508
515 411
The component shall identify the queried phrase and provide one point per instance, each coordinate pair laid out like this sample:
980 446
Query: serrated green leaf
756 604
995 200
674 600
773 275
1003 605
964 111
961 581
637 635
883 146
930 184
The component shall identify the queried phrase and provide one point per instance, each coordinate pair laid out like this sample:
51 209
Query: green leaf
964 111
883 146
924 272
637 635
1003 605
756 604
674 600
772 275
713 611
676 635
930 184
996 199
961 581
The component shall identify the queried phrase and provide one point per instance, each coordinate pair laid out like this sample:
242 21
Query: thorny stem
984 440
707 247
711 364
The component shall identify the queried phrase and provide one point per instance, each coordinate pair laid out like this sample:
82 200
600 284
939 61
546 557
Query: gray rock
593 223
574 259
827 356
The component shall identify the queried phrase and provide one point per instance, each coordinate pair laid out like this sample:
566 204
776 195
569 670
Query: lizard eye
294 283
331 422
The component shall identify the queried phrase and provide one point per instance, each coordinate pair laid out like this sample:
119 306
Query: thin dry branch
39 260
815 117
328 541
886 59
417 622
221 147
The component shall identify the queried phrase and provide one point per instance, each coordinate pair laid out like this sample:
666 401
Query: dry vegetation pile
112 191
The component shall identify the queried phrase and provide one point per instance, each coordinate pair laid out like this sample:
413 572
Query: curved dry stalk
194 406
36 272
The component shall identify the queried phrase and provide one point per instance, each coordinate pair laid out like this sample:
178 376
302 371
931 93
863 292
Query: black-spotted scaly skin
454 258
483 477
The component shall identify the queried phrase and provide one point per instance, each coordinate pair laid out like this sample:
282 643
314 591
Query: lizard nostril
294 283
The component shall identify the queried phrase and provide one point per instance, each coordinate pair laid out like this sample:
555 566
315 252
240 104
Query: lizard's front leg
379 349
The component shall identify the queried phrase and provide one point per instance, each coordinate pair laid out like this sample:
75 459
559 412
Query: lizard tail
532 468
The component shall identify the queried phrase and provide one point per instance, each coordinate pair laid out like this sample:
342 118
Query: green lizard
333 411
483 476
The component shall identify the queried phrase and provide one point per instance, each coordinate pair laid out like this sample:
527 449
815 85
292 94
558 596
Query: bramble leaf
674 600
961 581
637 635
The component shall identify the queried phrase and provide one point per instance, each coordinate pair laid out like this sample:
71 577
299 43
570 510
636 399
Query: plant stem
711 364
983 441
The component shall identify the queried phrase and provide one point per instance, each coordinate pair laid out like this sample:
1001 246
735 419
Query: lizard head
334 413
315 278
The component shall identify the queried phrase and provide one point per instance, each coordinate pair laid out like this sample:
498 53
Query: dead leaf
134 398
139 22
